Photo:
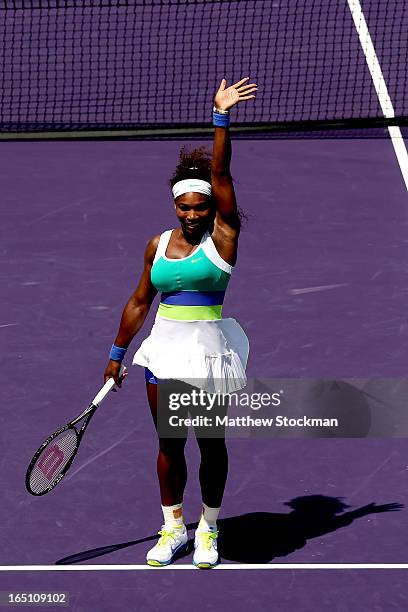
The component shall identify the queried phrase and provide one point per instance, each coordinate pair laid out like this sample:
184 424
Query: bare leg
171 462
213 470
214 460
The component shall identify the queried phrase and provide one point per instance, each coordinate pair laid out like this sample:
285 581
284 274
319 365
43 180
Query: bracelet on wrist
219 110
117 353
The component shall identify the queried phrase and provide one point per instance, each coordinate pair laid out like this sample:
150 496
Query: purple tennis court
320 289
325 217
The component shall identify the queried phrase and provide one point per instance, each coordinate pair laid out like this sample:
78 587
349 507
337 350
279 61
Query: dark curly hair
196 164
193 164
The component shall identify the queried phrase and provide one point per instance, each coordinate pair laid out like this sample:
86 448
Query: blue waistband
150 377
193 298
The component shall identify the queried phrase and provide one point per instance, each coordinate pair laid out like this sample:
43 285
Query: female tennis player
190 341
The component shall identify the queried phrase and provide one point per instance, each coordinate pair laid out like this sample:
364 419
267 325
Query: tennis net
150 68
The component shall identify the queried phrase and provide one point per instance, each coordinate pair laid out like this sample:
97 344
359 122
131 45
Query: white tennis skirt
211 355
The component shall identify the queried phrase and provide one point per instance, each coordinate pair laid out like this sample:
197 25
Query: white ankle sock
173 515
208 517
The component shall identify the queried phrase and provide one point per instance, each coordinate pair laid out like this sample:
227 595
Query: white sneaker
172 540
205 544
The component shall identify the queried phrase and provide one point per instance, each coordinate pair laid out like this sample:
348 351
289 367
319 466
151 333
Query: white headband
196 185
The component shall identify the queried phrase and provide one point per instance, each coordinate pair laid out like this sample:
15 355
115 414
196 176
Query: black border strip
177 131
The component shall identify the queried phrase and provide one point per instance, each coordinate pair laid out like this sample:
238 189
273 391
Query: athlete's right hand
112 371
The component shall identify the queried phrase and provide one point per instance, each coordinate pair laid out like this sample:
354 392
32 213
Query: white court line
221 566
317 288
380 85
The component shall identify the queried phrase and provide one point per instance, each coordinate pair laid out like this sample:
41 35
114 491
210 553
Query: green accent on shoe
166 535
155 563
206 538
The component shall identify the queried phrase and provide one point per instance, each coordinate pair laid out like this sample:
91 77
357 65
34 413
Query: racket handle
108 386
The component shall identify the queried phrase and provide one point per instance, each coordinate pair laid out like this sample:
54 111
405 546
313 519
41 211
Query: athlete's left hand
226 97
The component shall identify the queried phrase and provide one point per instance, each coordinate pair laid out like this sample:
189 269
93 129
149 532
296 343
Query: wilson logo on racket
50 461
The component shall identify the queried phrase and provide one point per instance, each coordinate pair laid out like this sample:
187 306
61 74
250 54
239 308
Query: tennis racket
55 456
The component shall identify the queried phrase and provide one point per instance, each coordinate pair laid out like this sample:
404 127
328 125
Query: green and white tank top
193 287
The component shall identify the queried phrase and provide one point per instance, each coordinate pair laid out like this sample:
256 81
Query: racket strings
52 461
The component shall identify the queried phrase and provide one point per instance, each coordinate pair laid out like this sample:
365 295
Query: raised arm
136 309
226 226
221 180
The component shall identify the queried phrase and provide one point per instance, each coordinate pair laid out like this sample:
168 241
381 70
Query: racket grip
108 386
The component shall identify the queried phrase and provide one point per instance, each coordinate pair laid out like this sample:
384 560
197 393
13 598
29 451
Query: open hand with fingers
227 97
393 507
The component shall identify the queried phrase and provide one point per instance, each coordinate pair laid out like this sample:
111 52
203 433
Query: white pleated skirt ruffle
210 355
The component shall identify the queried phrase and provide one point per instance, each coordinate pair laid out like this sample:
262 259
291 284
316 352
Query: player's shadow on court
258 537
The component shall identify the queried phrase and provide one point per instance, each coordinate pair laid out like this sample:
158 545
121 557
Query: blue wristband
117 353
221 120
